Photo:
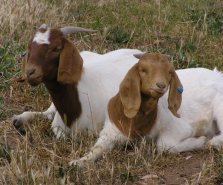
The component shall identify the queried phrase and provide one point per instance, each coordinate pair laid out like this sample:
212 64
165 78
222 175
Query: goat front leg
21 119
59 128
109 136
102 145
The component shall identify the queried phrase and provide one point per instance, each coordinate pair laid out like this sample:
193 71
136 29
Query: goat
80 90
176 122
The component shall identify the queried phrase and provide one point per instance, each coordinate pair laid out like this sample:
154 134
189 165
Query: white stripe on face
42 38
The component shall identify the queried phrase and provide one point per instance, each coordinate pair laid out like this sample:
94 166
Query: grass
190 31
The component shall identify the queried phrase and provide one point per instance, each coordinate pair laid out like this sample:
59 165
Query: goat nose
161 85
30 72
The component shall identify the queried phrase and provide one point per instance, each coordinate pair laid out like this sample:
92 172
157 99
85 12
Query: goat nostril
161 85
30 72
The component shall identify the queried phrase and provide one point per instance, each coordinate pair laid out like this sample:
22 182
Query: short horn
138 55
70 29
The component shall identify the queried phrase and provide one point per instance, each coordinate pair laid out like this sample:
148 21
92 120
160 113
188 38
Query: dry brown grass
19 18
190 31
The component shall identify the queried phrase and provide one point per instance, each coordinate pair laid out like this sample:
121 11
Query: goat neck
138 126
66 100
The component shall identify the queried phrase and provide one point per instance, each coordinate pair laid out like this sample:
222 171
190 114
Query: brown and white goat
142 108
80 91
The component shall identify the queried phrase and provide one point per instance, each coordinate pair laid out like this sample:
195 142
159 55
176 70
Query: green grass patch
9 66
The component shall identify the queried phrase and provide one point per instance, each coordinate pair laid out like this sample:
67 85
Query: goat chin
34 82
155 94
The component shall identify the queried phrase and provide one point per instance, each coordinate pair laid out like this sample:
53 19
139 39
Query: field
191 31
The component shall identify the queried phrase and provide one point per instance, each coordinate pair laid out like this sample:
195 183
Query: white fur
100 80
42 37
201 109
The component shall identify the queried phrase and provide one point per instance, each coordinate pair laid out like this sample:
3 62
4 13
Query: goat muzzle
156 92
33 77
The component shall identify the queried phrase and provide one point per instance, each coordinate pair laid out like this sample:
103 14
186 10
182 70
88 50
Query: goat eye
143 71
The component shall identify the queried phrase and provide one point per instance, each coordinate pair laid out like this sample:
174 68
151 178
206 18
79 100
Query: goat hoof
22 131
17 122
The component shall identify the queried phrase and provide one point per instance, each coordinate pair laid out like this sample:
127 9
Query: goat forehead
157 64
42 37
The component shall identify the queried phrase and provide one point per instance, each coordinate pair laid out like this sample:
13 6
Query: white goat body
201 118
100 80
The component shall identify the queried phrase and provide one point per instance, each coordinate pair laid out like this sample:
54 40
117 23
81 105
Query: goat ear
70 65
175 94
129 92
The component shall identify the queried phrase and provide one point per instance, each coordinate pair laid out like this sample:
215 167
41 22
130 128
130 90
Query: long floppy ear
129 92
175 94
70 65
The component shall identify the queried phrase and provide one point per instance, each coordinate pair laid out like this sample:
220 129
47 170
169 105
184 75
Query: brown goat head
151 76
53 57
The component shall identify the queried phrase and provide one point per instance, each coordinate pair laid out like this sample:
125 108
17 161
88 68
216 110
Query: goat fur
200 122
98 82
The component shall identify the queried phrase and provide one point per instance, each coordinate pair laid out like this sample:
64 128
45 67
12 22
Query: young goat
55 61
142 108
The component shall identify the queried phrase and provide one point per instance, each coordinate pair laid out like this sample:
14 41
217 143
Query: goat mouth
34 81
156 93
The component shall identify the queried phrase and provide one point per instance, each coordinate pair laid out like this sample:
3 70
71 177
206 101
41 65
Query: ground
190 31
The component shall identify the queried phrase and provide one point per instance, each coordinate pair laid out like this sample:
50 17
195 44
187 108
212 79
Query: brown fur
130 92
66 100
140 124
175 97
70 65
134 109
59 66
